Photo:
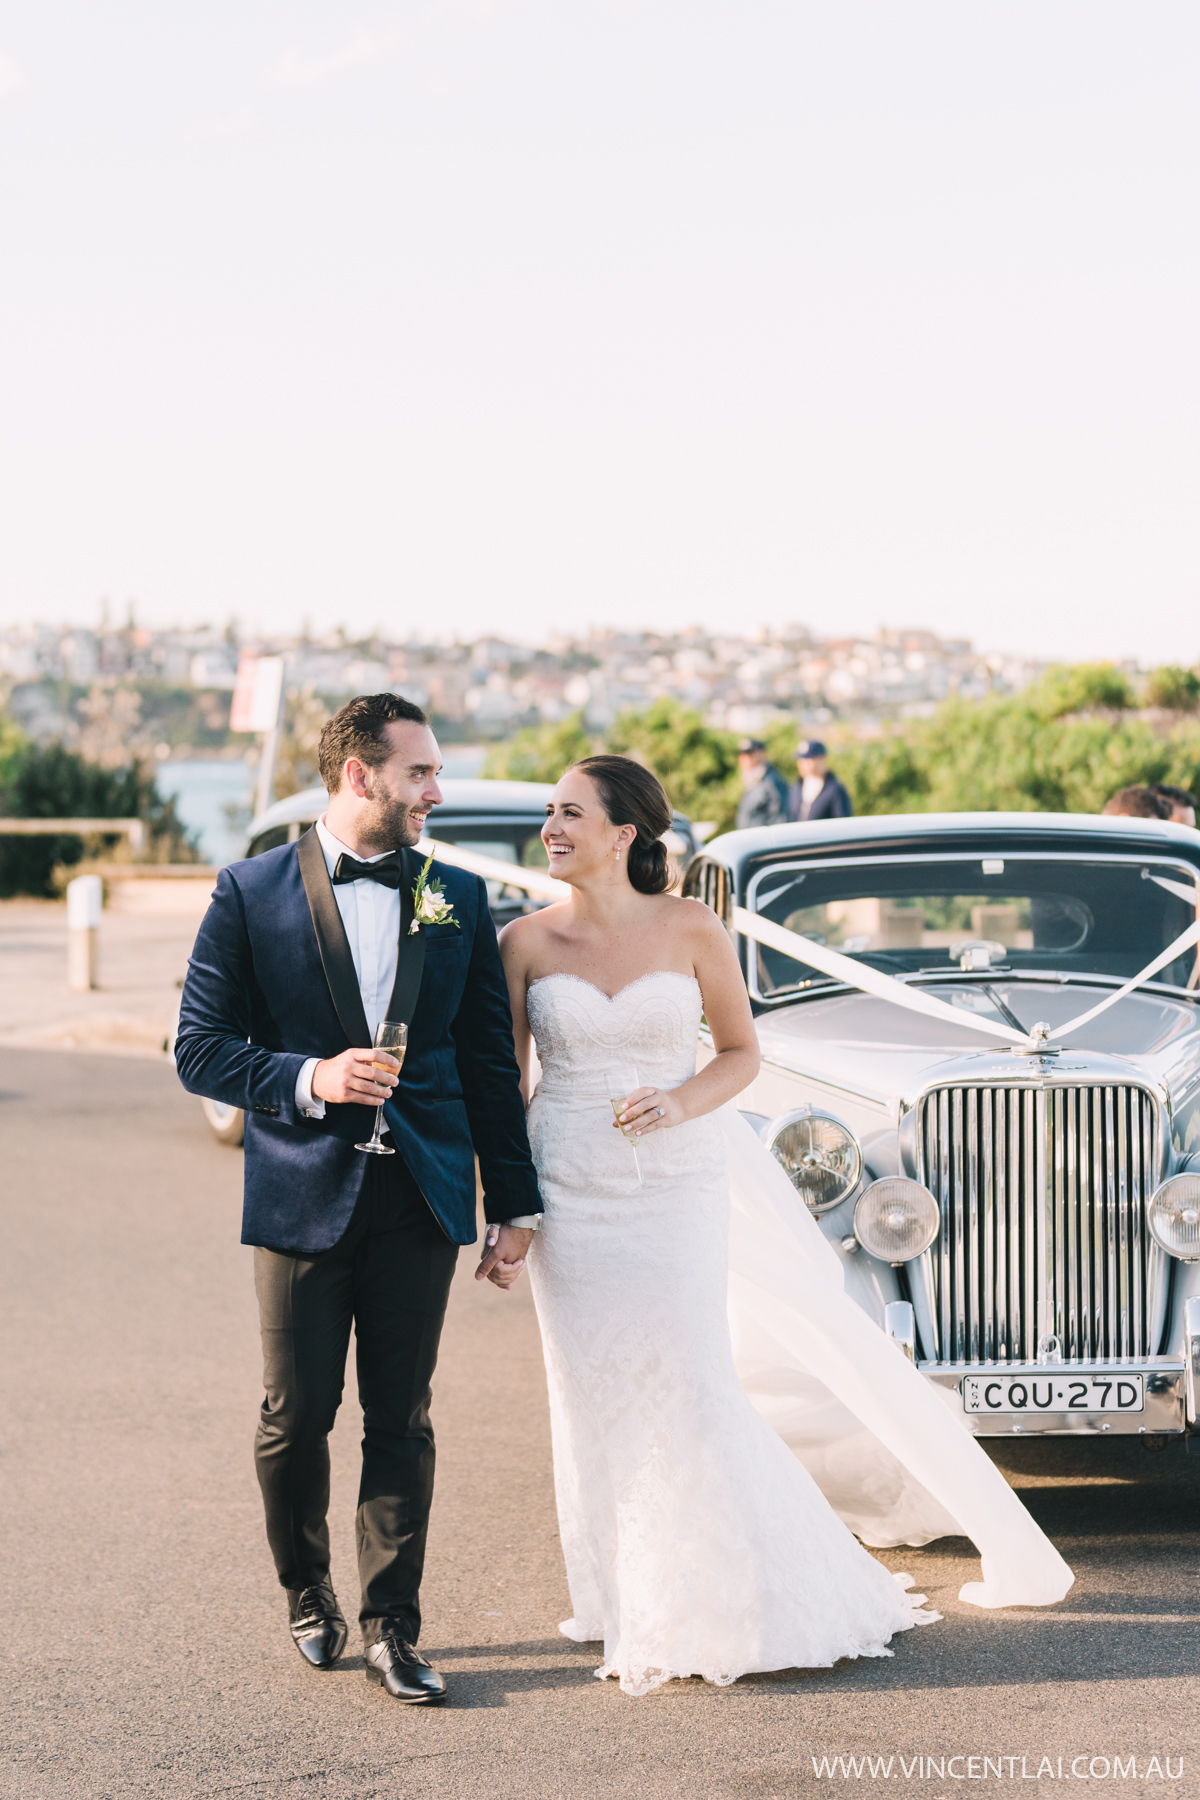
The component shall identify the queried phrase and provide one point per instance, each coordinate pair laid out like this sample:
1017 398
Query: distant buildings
488 688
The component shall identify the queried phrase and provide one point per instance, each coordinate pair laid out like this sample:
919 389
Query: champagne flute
391 1036
620 1082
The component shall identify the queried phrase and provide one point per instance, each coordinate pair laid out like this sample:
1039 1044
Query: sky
522 316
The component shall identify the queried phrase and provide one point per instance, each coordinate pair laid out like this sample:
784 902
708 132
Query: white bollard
85 896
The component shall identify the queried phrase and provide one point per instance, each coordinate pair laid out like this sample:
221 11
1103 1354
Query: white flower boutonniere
430 905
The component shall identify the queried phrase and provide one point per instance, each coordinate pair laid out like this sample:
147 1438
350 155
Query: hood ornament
1039 1042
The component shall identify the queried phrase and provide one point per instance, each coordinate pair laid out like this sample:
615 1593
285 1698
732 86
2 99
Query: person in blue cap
816 793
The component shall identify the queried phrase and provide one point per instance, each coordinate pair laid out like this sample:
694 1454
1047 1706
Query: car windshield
1069 914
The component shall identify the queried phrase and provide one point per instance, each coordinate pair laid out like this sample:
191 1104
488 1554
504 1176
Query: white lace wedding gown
695 1541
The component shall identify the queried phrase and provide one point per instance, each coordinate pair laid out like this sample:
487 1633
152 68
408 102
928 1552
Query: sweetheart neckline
563 975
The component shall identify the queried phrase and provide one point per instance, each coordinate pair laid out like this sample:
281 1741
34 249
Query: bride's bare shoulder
521 938
693 915
691 921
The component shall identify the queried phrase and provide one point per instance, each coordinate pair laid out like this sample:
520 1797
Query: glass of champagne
620 1083
392 1037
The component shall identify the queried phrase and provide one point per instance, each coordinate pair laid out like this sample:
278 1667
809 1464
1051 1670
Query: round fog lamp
819 1156
896 1219
1174 1217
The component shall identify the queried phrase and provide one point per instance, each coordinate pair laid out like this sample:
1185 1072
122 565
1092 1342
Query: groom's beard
389 824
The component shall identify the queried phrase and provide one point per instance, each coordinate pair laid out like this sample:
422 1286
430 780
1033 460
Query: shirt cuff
526 1222
306 1100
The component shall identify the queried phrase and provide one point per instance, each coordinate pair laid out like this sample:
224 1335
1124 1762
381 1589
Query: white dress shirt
371 917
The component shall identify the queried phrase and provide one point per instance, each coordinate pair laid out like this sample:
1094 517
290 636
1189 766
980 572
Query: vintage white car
990 1123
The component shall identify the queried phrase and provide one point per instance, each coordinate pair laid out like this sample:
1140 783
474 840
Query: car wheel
227 1123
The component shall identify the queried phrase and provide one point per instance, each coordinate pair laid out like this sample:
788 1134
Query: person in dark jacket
764 798
816 793
302 954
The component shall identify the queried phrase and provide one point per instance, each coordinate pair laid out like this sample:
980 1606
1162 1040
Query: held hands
649 1109
356 1075
503 1255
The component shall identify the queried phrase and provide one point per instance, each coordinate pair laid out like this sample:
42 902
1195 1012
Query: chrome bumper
1167 1410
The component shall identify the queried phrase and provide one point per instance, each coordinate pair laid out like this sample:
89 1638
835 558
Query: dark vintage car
497 819
1033 1201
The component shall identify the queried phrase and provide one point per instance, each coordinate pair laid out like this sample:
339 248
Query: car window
1071 914
276 835
517 842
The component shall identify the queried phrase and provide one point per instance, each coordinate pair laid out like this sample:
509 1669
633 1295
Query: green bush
540 752
695 763
1173 690
1080 688
51 783
1063 745
1016 753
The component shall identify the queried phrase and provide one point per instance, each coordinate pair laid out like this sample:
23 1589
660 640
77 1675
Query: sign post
258 706
85 896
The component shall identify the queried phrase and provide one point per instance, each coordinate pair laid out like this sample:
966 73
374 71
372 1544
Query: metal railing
133 829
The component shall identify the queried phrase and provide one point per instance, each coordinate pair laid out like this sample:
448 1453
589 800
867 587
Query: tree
1063 745
1173 690
695 763
1012 754
1080 688
540 752
52 782
304 718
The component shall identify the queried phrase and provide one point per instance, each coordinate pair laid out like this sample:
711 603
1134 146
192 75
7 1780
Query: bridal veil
892 1458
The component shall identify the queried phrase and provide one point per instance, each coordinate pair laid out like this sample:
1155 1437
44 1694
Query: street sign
256 693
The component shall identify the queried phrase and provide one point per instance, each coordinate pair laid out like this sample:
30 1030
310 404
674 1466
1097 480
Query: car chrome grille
1043 1196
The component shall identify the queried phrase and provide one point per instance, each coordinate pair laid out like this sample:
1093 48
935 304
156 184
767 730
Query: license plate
1054 1391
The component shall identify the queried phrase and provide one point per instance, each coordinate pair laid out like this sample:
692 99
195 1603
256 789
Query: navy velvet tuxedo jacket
271 982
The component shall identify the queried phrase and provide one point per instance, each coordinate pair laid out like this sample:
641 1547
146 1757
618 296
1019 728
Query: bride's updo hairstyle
631 795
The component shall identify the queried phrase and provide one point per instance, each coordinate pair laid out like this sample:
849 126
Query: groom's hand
503 1256
356 1075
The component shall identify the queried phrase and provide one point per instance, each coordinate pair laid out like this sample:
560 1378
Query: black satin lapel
410 955
332 942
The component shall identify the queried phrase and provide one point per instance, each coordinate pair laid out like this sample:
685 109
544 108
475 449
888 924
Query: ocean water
205 789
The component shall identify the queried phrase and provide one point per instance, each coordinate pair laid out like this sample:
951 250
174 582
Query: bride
695 1541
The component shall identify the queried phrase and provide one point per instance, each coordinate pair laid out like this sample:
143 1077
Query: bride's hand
650 1109
503 1254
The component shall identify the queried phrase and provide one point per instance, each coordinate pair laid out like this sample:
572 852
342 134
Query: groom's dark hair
359 730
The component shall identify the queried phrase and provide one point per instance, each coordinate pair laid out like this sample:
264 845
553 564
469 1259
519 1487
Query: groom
301 954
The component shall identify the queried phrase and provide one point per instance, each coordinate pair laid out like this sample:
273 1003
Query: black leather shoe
317 1626
396 1666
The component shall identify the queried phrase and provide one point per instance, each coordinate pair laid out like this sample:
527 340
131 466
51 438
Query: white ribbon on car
534 881
845 969
873 981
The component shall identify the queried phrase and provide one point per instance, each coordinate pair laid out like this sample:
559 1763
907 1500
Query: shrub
1173 690
53 782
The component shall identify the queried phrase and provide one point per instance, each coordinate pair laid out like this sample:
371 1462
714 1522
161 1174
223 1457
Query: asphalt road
143 1636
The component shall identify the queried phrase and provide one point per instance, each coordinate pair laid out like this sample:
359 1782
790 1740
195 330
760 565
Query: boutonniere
430 905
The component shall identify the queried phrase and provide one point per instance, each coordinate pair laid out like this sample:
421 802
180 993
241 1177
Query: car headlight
896 1219
819 1156
1174 1217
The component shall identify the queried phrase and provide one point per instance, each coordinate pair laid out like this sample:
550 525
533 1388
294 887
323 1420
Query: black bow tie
386 871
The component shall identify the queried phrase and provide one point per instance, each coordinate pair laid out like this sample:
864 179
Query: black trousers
390 1274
